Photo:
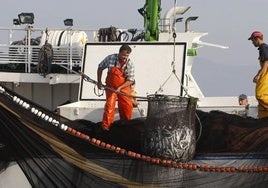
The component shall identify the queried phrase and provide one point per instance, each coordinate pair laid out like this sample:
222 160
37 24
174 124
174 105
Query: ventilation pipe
172 13
187 22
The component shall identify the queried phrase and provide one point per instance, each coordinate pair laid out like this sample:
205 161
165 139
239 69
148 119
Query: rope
88 79
200 131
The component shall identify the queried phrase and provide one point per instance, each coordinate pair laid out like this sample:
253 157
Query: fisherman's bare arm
99 75
263 69
125 84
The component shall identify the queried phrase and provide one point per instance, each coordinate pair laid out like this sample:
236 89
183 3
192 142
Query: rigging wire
174 57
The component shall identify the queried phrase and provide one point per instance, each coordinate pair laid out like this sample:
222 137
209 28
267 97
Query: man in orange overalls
120 77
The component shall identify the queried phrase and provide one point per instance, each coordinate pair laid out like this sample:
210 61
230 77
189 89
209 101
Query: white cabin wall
23 89
62 93
46 95
42 95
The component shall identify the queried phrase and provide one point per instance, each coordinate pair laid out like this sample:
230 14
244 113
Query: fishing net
53 151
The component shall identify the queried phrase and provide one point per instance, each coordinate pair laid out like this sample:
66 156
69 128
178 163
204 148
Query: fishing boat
50 115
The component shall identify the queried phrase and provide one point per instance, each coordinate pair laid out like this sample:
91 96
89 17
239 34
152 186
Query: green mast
151 14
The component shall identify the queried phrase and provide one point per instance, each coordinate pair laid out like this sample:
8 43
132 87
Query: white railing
20 47
20 53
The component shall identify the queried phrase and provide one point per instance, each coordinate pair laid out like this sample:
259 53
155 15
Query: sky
218 72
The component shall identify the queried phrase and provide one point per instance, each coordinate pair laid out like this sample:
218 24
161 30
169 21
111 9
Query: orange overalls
114 79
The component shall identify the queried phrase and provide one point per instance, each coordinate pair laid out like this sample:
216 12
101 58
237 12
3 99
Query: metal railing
20 51
20 46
